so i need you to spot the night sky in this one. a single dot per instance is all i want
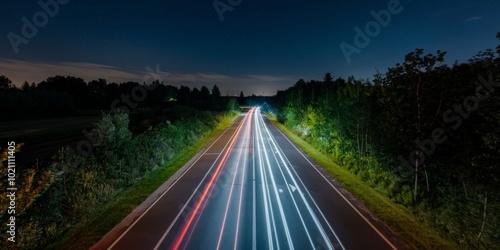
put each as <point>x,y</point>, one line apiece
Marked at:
<point>258,47</point>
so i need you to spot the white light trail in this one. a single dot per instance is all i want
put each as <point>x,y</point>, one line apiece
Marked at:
<point>276,193</point>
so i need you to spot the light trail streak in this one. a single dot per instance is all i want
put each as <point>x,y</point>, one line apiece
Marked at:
<point>288,215</point>
<point>286,165</point>
<point>249,133</point>
<point>254,203</point>
<point>295,202</point>
<point>276,194</point>
<point>341,195</point>
<point>265,191</point>
<point>207,188</point>
<point>175,182</point>
<point>245,136</point>
<point>310,196</point>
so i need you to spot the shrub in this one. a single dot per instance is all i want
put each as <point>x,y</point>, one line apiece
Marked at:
<point>55,200</point>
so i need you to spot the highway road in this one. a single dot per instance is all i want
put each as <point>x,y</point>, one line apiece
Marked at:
<point>254,189</point>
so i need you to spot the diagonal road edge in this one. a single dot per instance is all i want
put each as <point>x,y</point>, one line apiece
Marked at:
<point>119,229</point>
<point>383,229</point>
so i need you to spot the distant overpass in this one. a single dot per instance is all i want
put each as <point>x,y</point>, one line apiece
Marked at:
<point>245,108</point>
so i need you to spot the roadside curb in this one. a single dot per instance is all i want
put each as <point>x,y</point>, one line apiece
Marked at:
<point>359,207</point>
<point>107,240</point>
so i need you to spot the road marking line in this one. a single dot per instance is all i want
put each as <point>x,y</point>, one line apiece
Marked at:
<point>301,195</point>
<point>232,184</point>
<point>207,189</point>
<point>265,190</point>
<point>254,208</point>
<point>341,195</point>
<point>294,202</point>
<point>315,204</point>
<point>276,195</point>
<point>168,189</point>
<point>245,159</point>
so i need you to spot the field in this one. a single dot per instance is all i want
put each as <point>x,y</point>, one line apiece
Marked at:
<point>43,138</point>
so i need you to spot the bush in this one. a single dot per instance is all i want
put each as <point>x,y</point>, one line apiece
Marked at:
<point>55,200</point>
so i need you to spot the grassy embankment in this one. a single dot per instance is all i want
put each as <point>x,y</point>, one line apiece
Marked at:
<point>398,218</point>
<point>102,219</point>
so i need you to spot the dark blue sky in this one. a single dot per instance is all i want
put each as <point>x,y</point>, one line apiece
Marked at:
<point>259,47</point>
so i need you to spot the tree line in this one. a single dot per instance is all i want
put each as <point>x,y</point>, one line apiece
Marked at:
<point>126,145</point>
<point>65,95</point>
<point>424,133</point>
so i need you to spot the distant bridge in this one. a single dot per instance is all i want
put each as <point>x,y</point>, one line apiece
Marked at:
<point>245,108</point>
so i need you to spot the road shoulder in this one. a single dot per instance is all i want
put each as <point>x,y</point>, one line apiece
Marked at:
<point>118,230</point>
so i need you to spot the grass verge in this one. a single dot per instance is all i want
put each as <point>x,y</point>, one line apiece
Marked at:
<point>399,218</point>
<point>102,219</point>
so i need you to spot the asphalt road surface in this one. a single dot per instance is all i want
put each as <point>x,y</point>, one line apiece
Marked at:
<point>253,189</point>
